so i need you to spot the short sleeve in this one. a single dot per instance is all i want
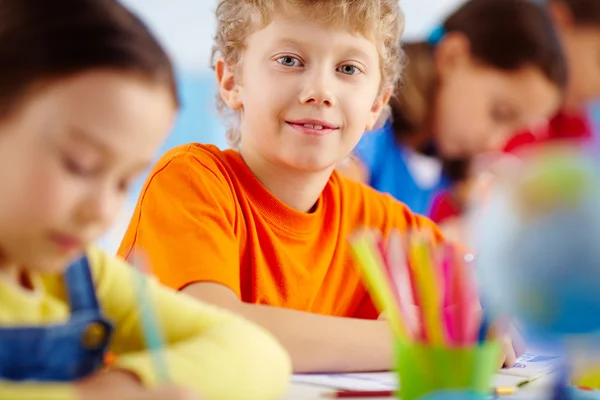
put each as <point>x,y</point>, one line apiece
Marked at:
<point>184,223</point>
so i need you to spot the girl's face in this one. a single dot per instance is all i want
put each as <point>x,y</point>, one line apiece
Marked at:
<point>68,156</point>
<point>478,108</point>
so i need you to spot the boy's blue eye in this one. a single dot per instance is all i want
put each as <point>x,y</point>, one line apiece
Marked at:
<point>349,69</point>
<point>289,61</point>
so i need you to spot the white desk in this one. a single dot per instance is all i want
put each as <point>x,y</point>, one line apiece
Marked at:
<point>536,390</point>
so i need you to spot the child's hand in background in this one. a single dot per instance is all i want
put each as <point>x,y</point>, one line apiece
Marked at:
<point>508,355</point>
<point>513,347</point>
<point>455,230</point>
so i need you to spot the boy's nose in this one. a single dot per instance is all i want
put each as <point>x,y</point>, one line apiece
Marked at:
<point>318,93</point>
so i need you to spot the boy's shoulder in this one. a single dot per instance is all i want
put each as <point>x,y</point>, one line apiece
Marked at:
<point>208,155</point>
<point>195,163</point>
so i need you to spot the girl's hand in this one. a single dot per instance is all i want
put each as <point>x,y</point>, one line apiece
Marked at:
<point>166,393</point>
<point>123,385</point>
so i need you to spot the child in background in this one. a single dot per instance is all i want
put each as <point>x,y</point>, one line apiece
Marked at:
<point>263,229</point>
<point>578,26</point>
<point>494,66</point>
<point>86,97</point>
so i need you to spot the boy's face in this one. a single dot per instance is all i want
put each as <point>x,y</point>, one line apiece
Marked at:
<point>306,93</point>
<point>67,158</point>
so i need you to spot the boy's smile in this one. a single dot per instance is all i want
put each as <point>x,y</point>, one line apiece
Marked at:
<point>313,126</point>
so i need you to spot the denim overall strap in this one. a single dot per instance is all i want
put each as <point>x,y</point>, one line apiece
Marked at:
<point>60,352</point>
<point>80,287</point>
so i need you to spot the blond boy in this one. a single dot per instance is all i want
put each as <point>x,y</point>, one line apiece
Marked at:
<point>262,229</point>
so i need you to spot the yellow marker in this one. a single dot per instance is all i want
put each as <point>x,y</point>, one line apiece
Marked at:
<point>504,391</point>
<point>367,256</point>
<point>429,296</point>
<point>590,378</point>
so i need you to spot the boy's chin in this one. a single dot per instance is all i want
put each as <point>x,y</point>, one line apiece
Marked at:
<point>314,164</point>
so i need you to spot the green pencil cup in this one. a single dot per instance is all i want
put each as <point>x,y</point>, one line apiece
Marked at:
<point>424,370</point>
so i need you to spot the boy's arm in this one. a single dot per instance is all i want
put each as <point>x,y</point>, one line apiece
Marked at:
<point>319,343</point>
<point>316,343</point>
<point>218,354</point>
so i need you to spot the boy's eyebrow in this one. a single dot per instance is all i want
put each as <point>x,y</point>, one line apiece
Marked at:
<point>288,41</point>
<point>353,51</point>
<point>350,50</point>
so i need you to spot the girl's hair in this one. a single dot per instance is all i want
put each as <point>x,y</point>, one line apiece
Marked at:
<point>584,12</point>
<point>45,40</point>
<point>503,34</point>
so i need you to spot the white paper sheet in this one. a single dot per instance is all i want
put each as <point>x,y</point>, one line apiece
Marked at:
<point>531,365</point>
<point>528,367</point>
<point>355,381</point>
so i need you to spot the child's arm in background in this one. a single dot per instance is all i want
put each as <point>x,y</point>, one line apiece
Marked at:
<point>353,168</point>
<point>217,354</point>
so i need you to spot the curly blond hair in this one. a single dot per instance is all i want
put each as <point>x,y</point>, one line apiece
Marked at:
<point>381,20</point>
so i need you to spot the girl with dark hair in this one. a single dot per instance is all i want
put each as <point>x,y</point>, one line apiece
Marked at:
<point>492,67</point>
<point>87,95</point>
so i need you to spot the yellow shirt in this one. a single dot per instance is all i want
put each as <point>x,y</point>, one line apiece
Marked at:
<point>219,355</point>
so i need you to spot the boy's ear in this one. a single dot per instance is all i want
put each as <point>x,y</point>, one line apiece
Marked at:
<point>452,51</point>
<point>228,87</point>
<point>378,106</point>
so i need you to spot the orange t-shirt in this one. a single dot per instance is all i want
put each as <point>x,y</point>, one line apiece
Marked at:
<point>203,216</point>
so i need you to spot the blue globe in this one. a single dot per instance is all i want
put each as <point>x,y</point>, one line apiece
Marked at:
<point>538,245</point>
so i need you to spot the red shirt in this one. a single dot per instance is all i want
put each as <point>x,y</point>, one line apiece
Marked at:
<point>562,127</point>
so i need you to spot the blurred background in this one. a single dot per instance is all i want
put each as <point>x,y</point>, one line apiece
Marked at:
<point>186,28</point>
